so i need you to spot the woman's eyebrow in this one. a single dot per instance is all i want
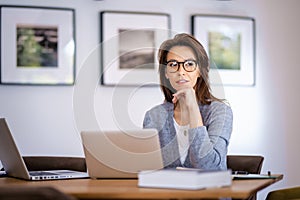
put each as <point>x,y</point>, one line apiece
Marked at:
<point>183,61</point>
<point>172,60</point>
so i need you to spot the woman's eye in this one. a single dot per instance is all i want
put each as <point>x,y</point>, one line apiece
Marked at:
<point>189,63</point>
<point>173,64</point>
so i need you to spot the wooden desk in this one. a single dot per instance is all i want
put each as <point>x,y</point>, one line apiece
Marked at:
<point>127,189</point>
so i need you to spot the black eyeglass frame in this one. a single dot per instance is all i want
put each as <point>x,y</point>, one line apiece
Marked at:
<point>179,63</point>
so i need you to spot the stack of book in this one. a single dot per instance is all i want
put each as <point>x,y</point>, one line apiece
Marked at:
<point>184,179</point>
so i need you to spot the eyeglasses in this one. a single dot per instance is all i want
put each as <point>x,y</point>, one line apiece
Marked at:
<point>188,65</point>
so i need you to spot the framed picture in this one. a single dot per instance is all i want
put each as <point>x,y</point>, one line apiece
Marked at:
<point>37,45</point>
<point>230,44</point>
<point>130,41</point>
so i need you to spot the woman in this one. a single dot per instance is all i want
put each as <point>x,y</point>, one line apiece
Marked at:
<point>194,126</point>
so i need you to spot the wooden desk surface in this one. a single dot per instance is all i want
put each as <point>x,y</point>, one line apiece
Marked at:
<point>128,189</point>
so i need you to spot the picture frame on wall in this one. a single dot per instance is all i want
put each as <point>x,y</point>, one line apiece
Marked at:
<point>230,44</point>
<point>37,45</point>
<point>129,46</point>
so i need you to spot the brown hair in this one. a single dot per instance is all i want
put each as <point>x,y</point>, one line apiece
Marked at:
<point>202,87</point>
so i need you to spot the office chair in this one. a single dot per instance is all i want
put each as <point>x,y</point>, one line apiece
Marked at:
<point>32,193</point>
<point>248,163</point>
<point>36,163</point>
<point>284,194</point>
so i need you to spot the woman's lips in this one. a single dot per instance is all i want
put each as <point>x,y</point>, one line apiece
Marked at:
<point>182,81</point>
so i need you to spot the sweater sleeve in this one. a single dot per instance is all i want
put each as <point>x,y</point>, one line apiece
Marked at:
<point>209,143</point>
<point>155,118</point>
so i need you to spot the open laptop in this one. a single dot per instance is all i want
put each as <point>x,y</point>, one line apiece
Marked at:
<point>14,164</point>
<point>121,154</point>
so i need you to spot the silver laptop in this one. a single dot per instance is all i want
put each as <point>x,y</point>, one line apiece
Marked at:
<point>121,154</point>
<point>14,164</point>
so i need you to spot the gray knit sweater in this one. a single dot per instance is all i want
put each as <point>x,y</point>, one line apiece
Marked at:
<point>208,143</point>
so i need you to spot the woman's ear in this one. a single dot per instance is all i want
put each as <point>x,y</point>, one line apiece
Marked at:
<point>166,75</point>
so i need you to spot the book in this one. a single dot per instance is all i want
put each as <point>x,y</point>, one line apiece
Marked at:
<point>184,179</point>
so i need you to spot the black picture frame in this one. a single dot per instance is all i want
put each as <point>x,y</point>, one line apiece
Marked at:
<point>129,45</point>
<point>230,44</point>
<point>37,45</point>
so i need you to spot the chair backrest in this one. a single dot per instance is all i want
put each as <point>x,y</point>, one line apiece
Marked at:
<point>250,163</point>
<point>32,193</point>
<point>36,163</point>
<point>284,194</point>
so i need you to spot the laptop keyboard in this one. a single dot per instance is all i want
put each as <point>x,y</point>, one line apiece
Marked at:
<point>42,173</point>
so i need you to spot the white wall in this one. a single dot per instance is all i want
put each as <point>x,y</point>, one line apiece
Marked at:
<point>265,116</point>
